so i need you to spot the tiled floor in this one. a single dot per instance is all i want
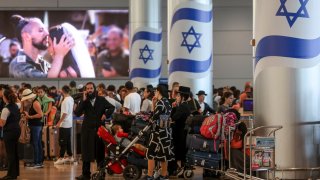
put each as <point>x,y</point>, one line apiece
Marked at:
<point>68,171</point>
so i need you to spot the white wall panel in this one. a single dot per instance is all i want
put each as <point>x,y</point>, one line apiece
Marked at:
<point>232,18</point>
<point>232,42</point>
<point>228,66</point>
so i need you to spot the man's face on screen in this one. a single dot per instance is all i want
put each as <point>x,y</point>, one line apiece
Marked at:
<point>114,41</point>
<point>39,35</point>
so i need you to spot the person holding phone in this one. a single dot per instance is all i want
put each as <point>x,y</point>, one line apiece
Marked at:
<point>95,109</point>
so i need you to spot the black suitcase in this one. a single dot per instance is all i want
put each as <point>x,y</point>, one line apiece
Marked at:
<point>200,143</point>
<point>28,154</point>
<point>204,159</point>
<point>193,124</point>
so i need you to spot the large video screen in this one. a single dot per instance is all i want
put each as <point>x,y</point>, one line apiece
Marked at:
<point>64,44</point>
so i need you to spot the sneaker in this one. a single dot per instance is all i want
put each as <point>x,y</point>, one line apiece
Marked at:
<point>39,165</point>
<point>163,177</point>
<point>180,171</point>
<point>69,159</point>
<point>60,161</point>
<point>29,165</point>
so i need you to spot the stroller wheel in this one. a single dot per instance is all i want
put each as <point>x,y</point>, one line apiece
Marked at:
<point>132,172</point>
<point>110,172</point>
<point>188,174</point>
<point>97,176</point>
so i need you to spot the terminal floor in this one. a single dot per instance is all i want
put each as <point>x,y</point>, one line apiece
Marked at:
<point>68,171</point>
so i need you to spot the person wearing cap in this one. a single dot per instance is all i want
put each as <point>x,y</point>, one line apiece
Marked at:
<point>205,108</point>
<point>132,101</point>
<point>114,60</point>
<point>33,35</point>
<point>179,116</point>
<point>34,117</point>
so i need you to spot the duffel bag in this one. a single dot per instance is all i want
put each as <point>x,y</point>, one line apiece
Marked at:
<point>200,143</point>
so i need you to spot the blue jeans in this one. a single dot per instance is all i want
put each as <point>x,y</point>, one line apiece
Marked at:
<point>36,138</point>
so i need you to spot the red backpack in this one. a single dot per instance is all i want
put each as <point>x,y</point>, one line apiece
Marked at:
<point>218,125</point>
<point>211,126</point>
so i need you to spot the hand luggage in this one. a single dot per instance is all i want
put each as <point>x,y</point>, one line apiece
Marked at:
<point>193,124</point>
<point>54,141</point>
<point>28,154</point>
<point>204,159</point>
<point>200,143</point>
<point>45,141</point>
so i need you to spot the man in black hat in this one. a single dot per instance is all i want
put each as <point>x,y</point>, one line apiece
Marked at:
<point>205,108</point>
<point>33,35</point>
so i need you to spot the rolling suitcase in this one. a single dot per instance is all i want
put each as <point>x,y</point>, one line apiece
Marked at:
<point>28,154</point>
<point>45,142</point>
<point>54,142</point>
<point>204,159</point>
<point>200,143</point>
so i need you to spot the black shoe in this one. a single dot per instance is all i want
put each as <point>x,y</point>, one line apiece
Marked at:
<point>8,177</point>
<point>83,177</point>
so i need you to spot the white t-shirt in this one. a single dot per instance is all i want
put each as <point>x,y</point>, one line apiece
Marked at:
<point>132,102</point>
<point>115,103</point>
<point>67,108</point>
<point>146,105</point>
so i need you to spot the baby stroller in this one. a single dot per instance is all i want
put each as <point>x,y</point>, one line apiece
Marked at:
<point>125,160</point>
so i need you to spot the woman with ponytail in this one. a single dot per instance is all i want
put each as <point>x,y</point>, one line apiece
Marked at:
<point>9,120</point>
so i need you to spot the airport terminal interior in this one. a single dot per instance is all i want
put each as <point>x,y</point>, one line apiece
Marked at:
<point>159,89</point>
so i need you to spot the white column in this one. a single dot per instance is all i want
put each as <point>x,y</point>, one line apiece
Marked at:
<point>286,78</point>
<point>145,41</point>
<point>190,44</point>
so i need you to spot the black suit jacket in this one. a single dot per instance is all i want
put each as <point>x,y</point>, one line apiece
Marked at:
<point>91,145</point>
<point>207,109</point>
<point>93,114</point>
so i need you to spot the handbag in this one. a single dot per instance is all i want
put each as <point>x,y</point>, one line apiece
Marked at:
<point>25,135</point>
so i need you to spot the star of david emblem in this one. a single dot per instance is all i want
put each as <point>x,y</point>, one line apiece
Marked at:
<point>146,54</point>
<point>291,16</point>
<point>191,39</point>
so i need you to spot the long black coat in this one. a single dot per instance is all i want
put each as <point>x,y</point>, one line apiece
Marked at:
<point>91,123</point>
<point>179,117</point>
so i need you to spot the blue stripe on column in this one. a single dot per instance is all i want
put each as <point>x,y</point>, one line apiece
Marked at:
<point>145,73</point>
<point>191,14</point>
<point>145,35</point>
<point>290,47</point>
<point>190,65</point>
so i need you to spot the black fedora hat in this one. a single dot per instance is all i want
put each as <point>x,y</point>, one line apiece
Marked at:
<point>184,90</point>
<point>201,93</point>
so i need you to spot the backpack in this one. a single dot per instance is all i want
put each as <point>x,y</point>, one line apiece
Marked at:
<point>211,126</point>
<point>217,125</point>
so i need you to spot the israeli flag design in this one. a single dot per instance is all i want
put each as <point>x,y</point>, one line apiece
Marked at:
<point>146,56</point>
<point>190,45</point>
<point>290,44</point>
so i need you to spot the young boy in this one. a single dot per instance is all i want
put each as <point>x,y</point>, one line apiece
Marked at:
<point>122,137</point>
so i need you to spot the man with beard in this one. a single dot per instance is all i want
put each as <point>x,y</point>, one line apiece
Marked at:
<point>95,110</point>
<point>114,60</point>
<point>33,35</point>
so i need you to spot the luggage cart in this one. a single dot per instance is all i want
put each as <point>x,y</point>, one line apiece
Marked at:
<point>266,143</point>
